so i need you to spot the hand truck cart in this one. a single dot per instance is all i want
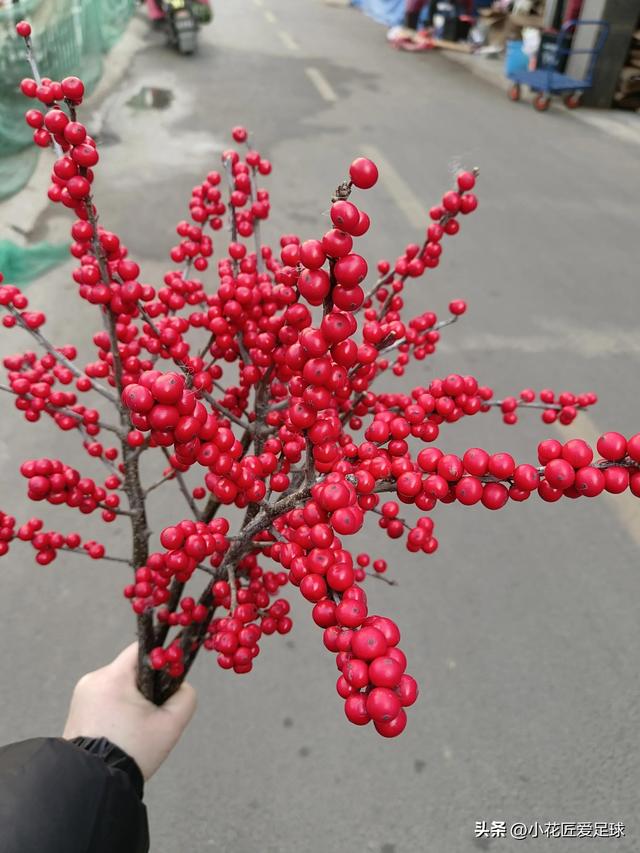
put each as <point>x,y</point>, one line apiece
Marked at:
<point>548,81</point>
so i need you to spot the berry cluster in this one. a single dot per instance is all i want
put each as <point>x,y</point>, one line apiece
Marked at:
<point>48,543</point>
<point>235,638</point>
<point>57,483</point>
<point>205,206</point>
<point>187,544</point>
<point>569,469</point>
<point>373,683</point>
<point>266,381</point>
<point>7,532</point>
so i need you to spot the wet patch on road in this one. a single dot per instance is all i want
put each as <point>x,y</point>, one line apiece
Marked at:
<point>151,98</point>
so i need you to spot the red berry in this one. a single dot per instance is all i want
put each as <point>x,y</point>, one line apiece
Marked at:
<point>313,587</point>
<point>368,643</point>
<point>350,270</point>
<point>407,690</point>
<point>385,672</point>
<point>351,613</point>
<point>312,254</point>
<point>616,479</point>
<point>612,446</point>
<point>494,495</point>
<point>345,215</point>
<point>355,707</point>
<point>73,88</point>
<point>363,173</point>
<point>589,481</point>
<point>383,705</point>
<point>633,447</point>
<point>388,628</point>
<point>314,285</point>
<point>168,388</point>
<point>356,673</point>
<point>451,202</point>
<point>392,728</point>
<point>458,306</point>
<point>559,474</point>
<point>466,181</point>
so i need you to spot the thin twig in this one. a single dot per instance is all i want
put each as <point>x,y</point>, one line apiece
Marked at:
<point>82,553</point>
<point>116,510</point>
<point>62,410</point>
<point>228,167</point>
<point>522,405</point>
<point>46,345</point>
<point>170,476</point>
<point>257,242</point>
<point>183,487</point>
<point>224,411</point>
<point>382,578</point>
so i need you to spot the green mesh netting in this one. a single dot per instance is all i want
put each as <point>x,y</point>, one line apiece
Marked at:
<point>70,37</point>
<point>20,265</point>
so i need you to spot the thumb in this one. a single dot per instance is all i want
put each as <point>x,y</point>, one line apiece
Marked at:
<point>127,659</point>
<point>182,705</point>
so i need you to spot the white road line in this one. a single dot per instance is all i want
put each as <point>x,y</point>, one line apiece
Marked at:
<point>625,506</point>
<point>270,17</point>
<point>321,83</point>
<point>288,41</point>
<point>398,188</point>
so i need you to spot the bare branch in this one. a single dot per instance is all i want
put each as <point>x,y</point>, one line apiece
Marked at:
<point>382,578</point>
<point>183,487</point>
<point>82,553</point>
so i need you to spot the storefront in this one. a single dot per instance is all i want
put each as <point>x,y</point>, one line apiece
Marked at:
<point>532,27</point>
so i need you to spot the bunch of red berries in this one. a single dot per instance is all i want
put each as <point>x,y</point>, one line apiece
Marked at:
<point>48,543</point>
<point>569,469</point>
<point>7,532</point>
<point>57,483</point>
<point>263,386</point>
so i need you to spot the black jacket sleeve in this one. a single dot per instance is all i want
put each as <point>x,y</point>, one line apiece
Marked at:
<point>57,797</point>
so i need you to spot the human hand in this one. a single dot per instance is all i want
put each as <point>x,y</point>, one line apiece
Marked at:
<point>107,703</point>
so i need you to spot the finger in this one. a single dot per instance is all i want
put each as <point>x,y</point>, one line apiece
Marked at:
<point>126,661</point>
<point>182,704</point>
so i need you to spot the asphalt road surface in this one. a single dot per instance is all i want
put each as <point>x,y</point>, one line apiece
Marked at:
<point>523,628</point>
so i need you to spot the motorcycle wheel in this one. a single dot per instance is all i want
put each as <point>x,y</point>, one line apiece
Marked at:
<point>186,32</point>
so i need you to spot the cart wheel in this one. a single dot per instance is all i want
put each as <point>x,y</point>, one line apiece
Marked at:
<point>514,92</point>
<point>573,101</point>
<point>541,102</point>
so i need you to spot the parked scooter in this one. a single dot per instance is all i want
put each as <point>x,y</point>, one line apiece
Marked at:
<point>181,20</point>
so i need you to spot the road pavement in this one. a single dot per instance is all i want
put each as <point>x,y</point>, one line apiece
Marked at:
<point>523,628</point>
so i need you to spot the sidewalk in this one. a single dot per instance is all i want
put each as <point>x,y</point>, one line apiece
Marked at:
<point>621,124</point>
